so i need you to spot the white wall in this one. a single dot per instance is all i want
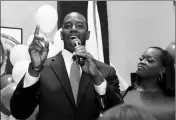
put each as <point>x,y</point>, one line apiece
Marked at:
<point>136,25</point>
<point>22,14</point>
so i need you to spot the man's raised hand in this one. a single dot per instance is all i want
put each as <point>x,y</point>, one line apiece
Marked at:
<point>37,51</point>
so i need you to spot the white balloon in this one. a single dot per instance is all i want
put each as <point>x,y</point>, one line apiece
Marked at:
<point>47,18</point>
<point>19,52</point>
<point>31,37</point>
<point>58,43</point>
<point>19,69</point>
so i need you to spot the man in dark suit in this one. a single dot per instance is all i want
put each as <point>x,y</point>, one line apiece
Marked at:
<point>50,83</point>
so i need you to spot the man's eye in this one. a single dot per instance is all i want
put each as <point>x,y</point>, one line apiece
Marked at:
<point>67,26</point>
<point>80,26</point>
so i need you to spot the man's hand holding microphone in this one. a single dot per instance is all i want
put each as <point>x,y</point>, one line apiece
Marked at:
<point>86,61</point>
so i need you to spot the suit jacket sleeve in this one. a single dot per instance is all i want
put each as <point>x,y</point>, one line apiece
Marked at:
<point>112,96</point>
<point>24,100</point>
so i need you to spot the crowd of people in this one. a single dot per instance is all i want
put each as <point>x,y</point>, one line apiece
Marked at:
<point>91,90</point>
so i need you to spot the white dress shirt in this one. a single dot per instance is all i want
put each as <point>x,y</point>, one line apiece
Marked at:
<point>30,80</point>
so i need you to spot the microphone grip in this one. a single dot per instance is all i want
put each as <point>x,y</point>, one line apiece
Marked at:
<point>81,60</point>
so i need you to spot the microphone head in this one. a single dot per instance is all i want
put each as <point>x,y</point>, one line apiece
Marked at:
<point>75,41</point>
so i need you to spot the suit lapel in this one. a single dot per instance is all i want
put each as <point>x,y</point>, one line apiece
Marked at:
<point>59,68</point>
<point>83,85</point>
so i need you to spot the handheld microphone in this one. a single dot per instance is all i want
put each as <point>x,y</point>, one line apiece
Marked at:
<point>76,42</point>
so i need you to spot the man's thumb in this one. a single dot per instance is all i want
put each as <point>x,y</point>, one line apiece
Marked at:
<point>46,46</point>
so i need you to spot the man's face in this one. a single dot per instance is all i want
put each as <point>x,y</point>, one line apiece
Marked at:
<point>74,25</point>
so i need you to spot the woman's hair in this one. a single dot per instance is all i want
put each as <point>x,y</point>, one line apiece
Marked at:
<point>166,81</point>
<point>126,112</point>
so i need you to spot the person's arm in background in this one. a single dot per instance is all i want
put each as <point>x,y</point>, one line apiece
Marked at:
<point>26,96</point>
<point>25,99</point>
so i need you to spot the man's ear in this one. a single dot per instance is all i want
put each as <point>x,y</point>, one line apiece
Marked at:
<point>87,35</point>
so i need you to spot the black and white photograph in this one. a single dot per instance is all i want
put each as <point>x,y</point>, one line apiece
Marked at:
<point>87,60</point>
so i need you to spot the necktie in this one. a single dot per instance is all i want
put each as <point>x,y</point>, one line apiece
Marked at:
<point>74,79</point>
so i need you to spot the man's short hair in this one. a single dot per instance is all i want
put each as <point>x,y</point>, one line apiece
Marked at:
<point>81,15</point>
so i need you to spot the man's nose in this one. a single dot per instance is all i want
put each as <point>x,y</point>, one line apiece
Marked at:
<point>73,27</point>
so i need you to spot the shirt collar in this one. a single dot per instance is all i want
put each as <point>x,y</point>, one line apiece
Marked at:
<point>67,55</point>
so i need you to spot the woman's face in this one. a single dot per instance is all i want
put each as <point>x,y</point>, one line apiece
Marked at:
<point>150,64</point>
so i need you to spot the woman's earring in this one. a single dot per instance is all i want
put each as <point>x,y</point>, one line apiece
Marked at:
<point>160,77</point>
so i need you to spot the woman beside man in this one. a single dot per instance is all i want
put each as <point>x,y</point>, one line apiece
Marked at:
<point>153,87</point>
